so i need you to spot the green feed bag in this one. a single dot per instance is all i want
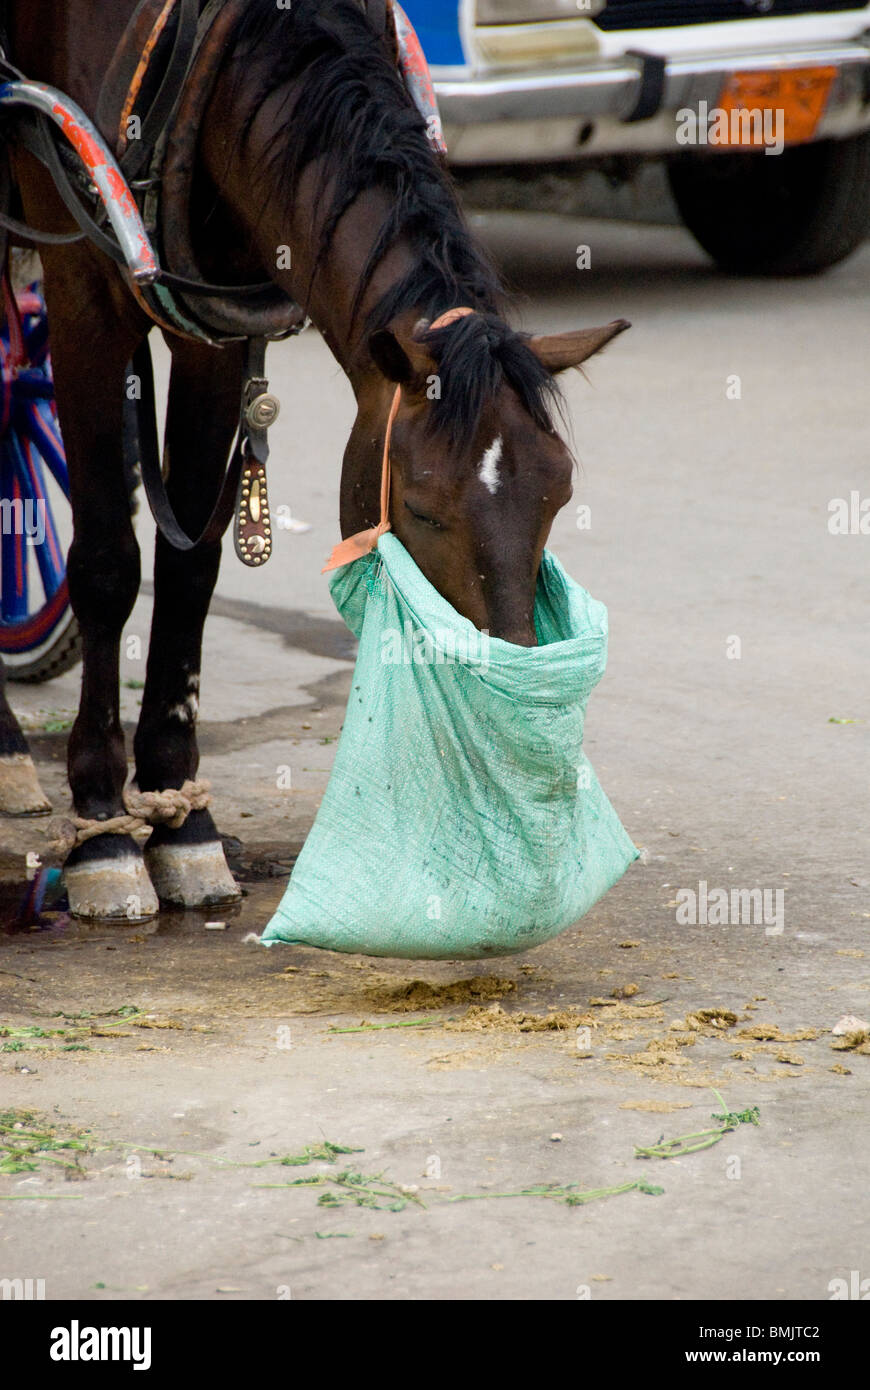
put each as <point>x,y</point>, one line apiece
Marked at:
<point>462,818</point>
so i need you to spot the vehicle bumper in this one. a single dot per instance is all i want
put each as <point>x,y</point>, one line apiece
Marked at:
<point>519,116</point>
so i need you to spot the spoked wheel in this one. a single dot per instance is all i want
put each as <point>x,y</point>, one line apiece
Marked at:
<point>39,637</point>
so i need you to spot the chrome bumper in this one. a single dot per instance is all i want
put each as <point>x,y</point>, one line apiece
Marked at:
<point>512,117</point>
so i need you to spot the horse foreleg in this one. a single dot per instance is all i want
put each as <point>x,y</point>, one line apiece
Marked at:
<point>187,865</point>
<point>94,332</point>
<point>20,792</point>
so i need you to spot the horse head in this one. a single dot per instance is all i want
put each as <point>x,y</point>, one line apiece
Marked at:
<point>479,470</point>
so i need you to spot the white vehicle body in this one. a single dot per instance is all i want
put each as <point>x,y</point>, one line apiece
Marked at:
<point>565,88</point>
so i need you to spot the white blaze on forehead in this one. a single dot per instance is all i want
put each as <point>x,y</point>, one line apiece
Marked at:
<point>488,470</point>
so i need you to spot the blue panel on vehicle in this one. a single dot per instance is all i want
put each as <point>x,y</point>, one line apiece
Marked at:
<point>437,25</point>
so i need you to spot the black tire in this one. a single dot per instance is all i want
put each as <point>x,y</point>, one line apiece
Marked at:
<point>795,213</point>
<point>59,654</point>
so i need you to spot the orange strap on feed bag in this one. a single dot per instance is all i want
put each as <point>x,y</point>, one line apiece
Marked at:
<point>353,547</point>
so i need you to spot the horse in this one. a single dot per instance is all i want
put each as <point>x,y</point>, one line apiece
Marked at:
<point>310,142</point>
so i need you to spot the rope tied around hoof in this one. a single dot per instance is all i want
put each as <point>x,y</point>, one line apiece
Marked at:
<point>143,810</point>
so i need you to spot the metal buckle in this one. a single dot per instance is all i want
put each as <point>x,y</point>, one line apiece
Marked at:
<point>262,411</point>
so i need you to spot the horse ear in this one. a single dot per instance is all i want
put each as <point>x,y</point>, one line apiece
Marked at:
<point>562,350</point>
<point>390,357</point>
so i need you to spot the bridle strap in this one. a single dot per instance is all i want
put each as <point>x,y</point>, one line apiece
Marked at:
<point>152,472</point>
<point>353,547</point>
<point>135,154</point>
<point>250,452</point>
<point>266,312</point>
<point>140,73</point>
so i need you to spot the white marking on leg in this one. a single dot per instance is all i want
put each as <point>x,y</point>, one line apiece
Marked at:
<point>488,470</point>
<point>186,712</point>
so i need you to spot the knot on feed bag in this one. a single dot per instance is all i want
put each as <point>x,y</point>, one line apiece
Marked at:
<point>142,811</point>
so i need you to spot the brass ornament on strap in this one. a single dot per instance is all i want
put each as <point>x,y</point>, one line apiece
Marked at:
<point>253,526</point>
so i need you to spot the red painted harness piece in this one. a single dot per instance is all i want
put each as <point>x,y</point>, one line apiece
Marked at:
<point>418,79</point>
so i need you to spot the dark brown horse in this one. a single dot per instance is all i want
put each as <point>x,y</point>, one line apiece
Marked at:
<point>309,141</point>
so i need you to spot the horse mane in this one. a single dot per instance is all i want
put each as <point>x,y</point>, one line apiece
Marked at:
<point>350,108</point>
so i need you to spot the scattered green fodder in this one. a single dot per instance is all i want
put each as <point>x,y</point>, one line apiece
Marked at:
<point>702,1138</point>
<point>26,1145</point>
<point>566,1193</point>
<point>370,1190</point>
<point>324,1152</point>
<point>85,1025</point>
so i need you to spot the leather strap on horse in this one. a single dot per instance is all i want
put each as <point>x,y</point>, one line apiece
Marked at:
<point>134,155</point>
<point>353,547</point>
<point>174,160</point>
<point>20,229</point>
<point>34,132</point>
<point>188,48</point>
<point>243,490</point>
<point>167,144</point>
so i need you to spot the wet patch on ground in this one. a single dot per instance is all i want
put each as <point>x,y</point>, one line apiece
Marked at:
<point>201,971</point>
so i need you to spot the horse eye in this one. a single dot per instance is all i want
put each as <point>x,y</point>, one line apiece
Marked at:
<point>427,520</point>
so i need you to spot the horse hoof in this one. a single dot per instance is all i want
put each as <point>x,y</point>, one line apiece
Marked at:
<point>191,875</point>
<point>106,881</point>
<point>20,792</point>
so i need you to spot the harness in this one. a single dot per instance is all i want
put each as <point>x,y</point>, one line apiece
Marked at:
<point>134,204</point>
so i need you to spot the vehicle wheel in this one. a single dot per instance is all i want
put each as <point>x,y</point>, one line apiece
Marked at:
<point>39,637</point>
<point>59,652</point>
<point>795,213</point>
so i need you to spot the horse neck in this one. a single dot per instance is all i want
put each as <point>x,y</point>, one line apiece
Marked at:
<point>247,177</point>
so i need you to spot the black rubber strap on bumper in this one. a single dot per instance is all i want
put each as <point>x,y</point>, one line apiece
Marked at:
<point>653,71</point>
